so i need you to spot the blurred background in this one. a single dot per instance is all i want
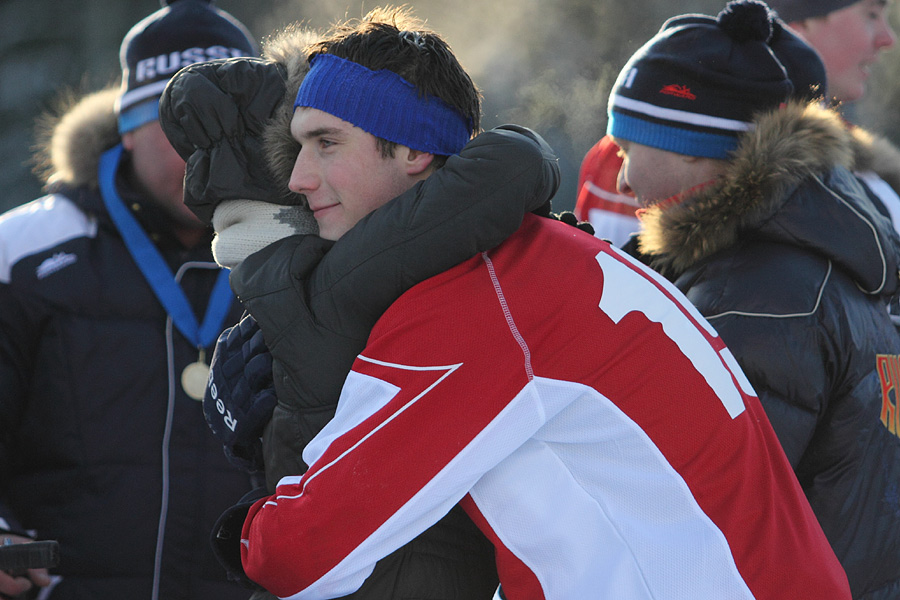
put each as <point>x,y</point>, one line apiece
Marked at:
<point>546,64</point>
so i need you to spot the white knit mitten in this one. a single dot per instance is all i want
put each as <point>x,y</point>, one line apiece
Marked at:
<point>246,226</point>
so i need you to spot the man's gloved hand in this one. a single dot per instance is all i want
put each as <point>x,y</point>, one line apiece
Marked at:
<point>214,114</point>
<point>226,537</point>
<point>240,393</point>
<point>569,218</point>
<point>551,179</point>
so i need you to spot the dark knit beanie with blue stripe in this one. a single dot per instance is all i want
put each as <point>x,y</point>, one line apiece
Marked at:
<point>696,86</point>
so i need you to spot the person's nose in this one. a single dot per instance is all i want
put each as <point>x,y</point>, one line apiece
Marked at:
<point>884,36</point>
<point>303,176</point>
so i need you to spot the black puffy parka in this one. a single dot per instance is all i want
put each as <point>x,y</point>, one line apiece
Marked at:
<point>100,446</point>
<point>793,265</point>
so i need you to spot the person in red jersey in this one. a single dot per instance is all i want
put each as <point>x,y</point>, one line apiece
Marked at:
<point>612,214</point>
<point>585,416</point>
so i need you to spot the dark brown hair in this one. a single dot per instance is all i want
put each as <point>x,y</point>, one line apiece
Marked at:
<point>392,38</point>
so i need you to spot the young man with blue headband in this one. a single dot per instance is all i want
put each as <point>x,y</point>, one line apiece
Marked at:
<point>567,446</point>
<point>231,120</point>
<point>344,108</point>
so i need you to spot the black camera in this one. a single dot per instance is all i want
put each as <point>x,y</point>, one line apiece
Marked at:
<point>17,558</point>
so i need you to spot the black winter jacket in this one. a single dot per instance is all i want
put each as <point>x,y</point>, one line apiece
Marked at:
<point>792,264</point>
<point>100,447</point>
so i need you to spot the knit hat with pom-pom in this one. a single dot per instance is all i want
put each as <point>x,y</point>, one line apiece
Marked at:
<point>695,87</point>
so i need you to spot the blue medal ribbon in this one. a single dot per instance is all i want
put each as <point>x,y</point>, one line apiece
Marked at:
<point>154,267</point>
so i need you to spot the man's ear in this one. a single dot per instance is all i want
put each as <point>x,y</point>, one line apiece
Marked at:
<point>418,162</point>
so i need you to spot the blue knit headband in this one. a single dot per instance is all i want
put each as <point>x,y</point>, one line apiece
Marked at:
<point>383,104</point>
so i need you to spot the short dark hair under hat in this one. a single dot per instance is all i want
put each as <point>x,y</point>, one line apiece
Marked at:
<point>799,10</point>
<point>695,87</point>
<point>182,32</point>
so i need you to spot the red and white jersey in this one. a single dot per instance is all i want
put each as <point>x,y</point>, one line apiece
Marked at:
<point>589,420</point>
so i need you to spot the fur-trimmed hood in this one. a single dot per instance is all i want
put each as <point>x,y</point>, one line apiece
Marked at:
<point>69,145</point>
<point>68,157</point>
<point>790,181</point>
<point>70,142</point>
<point>876,154</point>
<point>289,48</point>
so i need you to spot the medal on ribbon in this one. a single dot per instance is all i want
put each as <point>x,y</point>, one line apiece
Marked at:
<point>162,281</point>
<point>195,377</point>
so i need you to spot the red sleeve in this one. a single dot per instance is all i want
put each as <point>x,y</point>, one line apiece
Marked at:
<point>474,385</point>
<point>400,452</point>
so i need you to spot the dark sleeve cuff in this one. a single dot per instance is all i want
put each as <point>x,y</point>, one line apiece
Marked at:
<point>226,537</point>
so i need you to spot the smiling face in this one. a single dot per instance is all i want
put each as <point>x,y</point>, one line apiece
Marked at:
<point>849,41</point>
<point>343,173</point>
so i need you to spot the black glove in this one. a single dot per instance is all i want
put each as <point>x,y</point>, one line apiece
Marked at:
<point>551,166</point>
<point>240,394</point>
<point>569,218</point>
<point>214,114</point>
<point>226,537</point>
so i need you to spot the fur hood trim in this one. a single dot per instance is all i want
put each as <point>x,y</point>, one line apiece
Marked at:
<point>289,48</point>
<point>785,147</point>
<point>877,154</point>
<point>69,146</point>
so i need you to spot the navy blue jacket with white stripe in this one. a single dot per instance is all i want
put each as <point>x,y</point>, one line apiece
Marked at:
<point>100,447</point>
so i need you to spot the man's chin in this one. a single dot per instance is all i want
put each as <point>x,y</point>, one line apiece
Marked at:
<point>852,93</point>
<point>188,220</point>
<point>327,234</point>
<point>329,228</point>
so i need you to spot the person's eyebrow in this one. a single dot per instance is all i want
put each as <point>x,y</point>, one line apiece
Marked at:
<point>321,131</point>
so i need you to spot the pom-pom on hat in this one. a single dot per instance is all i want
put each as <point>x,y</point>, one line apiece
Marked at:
<point>798,10</point>
<point>182,32</point>
<point>696,85</point>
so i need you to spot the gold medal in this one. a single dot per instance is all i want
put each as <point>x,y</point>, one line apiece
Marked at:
<point>195,376</point>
